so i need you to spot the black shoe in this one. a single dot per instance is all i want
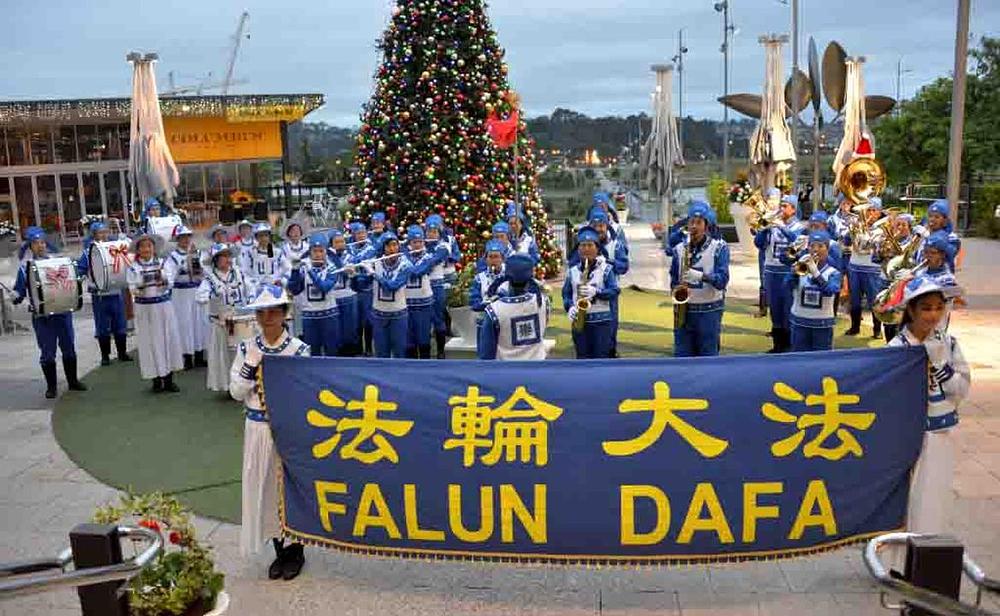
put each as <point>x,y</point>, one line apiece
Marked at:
<point>69,367</point>
<point>411,352</point>
<point>424,351</point>
<point>49,370</point>
<point>855,323</point>
<point>274,570</point>
<point>441,339</point>
<point>294,559</point>
<point>169,385</point>
<point>199,359</point>
<point>775,340</point>
<point>121,341</point>
<point>104,342</point>
<point>876,327</point>
<point>157,385</point>
<point>188,361</point>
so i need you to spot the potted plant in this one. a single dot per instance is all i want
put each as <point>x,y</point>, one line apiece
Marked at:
<point>182,580</point>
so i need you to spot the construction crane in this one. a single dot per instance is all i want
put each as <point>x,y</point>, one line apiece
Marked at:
<point>237,39</point>
<point>207,83</point>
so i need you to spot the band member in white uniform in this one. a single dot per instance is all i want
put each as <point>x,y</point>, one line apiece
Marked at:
<point>244,245</point>
<point>158,338</point>
<point>260,458</point>
<point>185,265</point>
<point>224,290</point>
<point>267,264</point>
<point>931,496</point>
<point>295,247</point>
<point>513,326</point>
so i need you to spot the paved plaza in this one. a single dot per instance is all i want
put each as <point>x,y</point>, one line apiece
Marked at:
<point>43,495</point>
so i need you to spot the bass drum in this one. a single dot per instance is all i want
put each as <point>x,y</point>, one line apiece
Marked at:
<point>164,227</point>
<point>108,263</point>
<point>55,286</point>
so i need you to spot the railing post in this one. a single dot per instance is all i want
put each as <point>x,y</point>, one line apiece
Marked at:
<point>96,545</point>
<point>934,562</point>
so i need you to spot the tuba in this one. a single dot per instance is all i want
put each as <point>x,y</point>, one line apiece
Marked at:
<point>861,179</point>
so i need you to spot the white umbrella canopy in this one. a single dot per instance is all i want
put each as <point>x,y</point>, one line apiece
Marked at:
<point>662,150</point>
<point>151,167</point>
<point>771,147</point>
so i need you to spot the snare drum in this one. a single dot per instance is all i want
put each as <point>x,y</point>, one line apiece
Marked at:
<point>108,263</point>
<point>164,227</point>
<point>54,285</point>
<point>239,328</point>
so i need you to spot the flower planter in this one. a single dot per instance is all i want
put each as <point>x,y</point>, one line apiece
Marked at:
<point>739,212</point>
<point>221,605</point>
<point>623,216</point>
<point>463,325</point>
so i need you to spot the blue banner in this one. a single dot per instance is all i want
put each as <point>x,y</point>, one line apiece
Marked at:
<point>670,460</point>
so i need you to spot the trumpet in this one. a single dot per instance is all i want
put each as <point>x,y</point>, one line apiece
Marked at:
<point>583,304</point>
<point>881,308</point>
<point>801,267</point>
<point>793,250</point>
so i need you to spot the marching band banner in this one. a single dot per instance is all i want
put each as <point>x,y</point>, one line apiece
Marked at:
<point>619,461</point>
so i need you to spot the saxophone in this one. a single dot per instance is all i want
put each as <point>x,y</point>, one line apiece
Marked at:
<point>681,293</point>
<point>583,304</point>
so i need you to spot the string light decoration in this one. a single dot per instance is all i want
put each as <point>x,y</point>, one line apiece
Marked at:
<point>239,107</point>
<point>423,146</point>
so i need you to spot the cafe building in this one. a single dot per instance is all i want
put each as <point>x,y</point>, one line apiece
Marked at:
<point>63,159</point>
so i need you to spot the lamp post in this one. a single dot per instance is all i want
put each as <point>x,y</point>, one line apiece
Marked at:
<point>678,60</point>
<point>727,29</point>
<point>958,107</point>
<point>795,89</point>
<point>899,82</point>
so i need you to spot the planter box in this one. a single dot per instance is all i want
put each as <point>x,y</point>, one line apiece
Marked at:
<point>743,234</point>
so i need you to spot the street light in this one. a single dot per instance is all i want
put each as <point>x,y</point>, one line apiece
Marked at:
<point>900,71</point>
<point>678,59</point>
<point>727,29</point>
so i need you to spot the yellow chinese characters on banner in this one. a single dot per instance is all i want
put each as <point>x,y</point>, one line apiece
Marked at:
<point>199,140</point>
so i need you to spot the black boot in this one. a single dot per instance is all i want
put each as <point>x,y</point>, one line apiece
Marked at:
<point>836,305</point>
<point>188,361</point>
<point>104,342</point>
<point>411,352</point>
<point>775,340</point>
<point>890,332</point>
<point>69,367</point>
<point>876,327</point>
<point>761,303</point>
<point>199,359</point>
<point>855,323</point>
<point>424,351</point>
<point>367,339</point>
<point>274,571</point>
<point>294,559</point>
<point>121,344</point>
<point>157,385</point>
<point>49,370</point>
<point>786,340</point>
<point>169,385</point>
<point>440,338</point>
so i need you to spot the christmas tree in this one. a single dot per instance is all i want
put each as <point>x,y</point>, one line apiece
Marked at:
<point>425,147</point>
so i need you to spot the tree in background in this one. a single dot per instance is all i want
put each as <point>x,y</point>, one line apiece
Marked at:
<point>423,146</point>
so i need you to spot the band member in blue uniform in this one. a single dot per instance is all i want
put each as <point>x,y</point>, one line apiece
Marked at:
<point>937,251</point>
<point>437,244</point>
<point>50,331</point>
<point>377,227</point>
<point>185,265</point>
<point>390,274</point>
<point>513,326</point>
<point>774,241</point>
<point>815,282</point>
<point>938,221</point>
<point>313,282</point>
<point>864,275</point>
<point>245,245</point>
<point>259,519</point>
<point>590,285</point>
<point>108,306</point>
<point>224,290</point>
<point>615,247</point>
<point>346,296</point>
<point>706,278</point>
<point>362,249</point>
<point>479,290</point>
<point>156,329</point>
<point>419,295</point>
<point>521,239</point>
<point>925,309</point>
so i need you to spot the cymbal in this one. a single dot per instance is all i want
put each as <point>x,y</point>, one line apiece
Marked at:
<point>835,76</point>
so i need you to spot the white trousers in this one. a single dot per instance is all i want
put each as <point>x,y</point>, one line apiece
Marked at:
<point>931,496</point>
<point>192,320</point>
<point>219,358</point>
<point>157,340</point>
<point>260,488</point>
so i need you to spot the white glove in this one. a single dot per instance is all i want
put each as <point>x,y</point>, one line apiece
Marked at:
<point>365,267</point>
<point>922,231</point>
<point>588,291</point>
<point>693,276</point>
<point>572,313</point>
<point>937,349</point>
<point>254,356</point>
<point>813,268</point>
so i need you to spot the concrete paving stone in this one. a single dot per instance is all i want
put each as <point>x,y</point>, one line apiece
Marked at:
<point>977,484</point>
<point>797,604</point>
<point>642,602</point>
<point>757,577</point>
<point>56,603</point>
<point>860,604</point>
<point>832,572</point>
<point>714,604</point>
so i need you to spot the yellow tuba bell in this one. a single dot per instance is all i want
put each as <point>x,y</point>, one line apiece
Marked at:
<point>861,179</point>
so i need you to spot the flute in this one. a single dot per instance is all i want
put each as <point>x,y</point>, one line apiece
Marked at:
<point>349,268</point>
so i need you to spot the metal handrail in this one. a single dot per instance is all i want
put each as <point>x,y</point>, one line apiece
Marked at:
<point>22,581</point>
<point>922,597</point>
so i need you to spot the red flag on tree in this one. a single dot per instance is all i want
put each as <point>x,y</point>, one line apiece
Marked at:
<point>503,132</point>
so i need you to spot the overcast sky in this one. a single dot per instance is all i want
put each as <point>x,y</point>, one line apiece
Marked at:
<point>592,56</point>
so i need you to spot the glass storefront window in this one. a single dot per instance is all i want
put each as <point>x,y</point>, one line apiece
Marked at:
<point>6,202</point>
<point>4,156</point>
<point>41,145</point>
<point>65,138</point>
<point>91,144</point>
<point>48,204</point>
<point>123,140</point>
<point>17,145</point>
<point>108,142</point>
<point>71,202</point>
<point>92,194</point>
<point>25,201</point>
<point>115,193</point>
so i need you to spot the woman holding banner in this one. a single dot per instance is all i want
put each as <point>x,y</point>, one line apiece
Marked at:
<point>925,305</point>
